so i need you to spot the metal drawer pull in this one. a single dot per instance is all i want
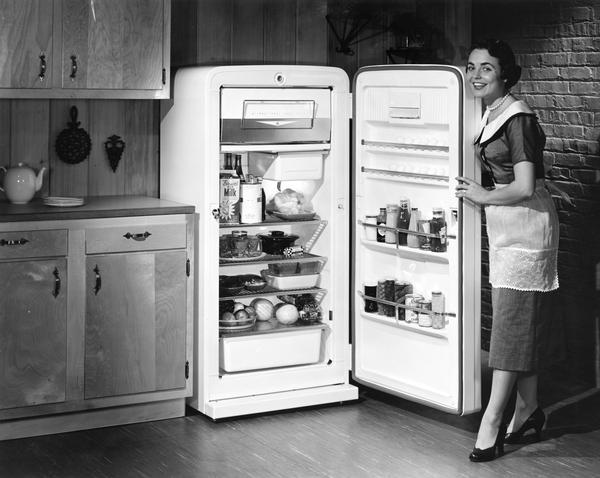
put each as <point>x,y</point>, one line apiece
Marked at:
<point>137,237</point>
<point>13,242</point>
<point>56,290</point>
<point>42,74</point>
<point>73,67</point>
<point>98,285</point>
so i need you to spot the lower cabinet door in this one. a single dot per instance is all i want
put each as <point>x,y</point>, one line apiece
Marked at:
<point>33,337</point>
<point>135,328</point>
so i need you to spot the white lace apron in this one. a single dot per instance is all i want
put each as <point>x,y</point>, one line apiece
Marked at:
<point>523,237</point>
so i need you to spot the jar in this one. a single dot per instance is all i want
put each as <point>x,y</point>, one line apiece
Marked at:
<point>370,232</point>
<point>411,316</point>
<point>438,226</point>
<point>424,317</point>
<point>370,291</point>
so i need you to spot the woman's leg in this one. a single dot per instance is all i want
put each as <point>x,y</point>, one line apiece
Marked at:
<point>526,402</point>
<point>502,385</point>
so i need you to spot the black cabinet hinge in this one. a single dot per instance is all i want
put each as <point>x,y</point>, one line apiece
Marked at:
<point>187,369</point>
<point>164,76</point>
<point>188,267</point>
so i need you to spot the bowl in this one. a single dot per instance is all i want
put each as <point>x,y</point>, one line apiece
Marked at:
<point>276,241</point>
<point>230,285</point>
<point>253,283</point>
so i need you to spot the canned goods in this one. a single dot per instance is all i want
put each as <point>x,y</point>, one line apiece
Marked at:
<point>424,317</point>
<point>411,300</point>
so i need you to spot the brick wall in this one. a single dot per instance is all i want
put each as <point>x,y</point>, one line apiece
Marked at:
<point>557,43</point>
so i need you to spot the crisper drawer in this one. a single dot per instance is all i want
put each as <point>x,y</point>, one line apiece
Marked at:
<point>261,351</point>
<point>18,244</point>
<point>134,238</point>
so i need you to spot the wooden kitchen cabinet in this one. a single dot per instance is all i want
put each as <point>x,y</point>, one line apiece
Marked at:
<point>33,323</point>
<point>116,49</point>
<point>26,47</point>
<point>96,315</point>
<point>135,323</point>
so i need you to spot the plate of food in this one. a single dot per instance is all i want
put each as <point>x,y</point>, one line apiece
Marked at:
<point>303,216</point>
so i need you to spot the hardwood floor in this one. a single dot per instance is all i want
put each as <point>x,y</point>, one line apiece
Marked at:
<point>378,436</point>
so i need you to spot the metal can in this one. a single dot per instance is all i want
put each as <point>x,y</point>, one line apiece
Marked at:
<point>424,317</point>
<point>411,300</point>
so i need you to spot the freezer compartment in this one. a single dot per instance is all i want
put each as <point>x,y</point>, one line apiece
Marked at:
<point>275,115</point>
<point>280,346</point>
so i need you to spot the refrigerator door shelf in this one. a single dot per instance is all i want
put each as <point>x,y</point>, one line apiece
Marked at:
<point>409,253</point>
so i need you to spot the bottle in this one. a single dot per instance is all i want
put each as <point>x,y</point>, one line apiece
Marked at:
<point>381,221</point>
<point>227,171</point>
<point>238,167</point>
<point>263,212</point>
<point>391,220</point>
<point>403,220</point>
<point>438,226</point>
<point>412,240</point>
<point>437,309</point>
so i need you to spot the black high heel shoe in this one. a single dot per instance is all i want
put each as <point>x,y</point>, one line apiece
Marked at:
<point>493,452</point>
<point>535,422</point>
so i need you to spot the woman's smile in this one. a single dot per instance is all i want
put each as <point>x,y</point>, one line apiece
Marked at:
<point>484,76</point>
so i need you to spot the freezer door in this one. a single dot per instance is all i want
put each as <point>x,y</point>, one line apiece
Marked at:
<point>412,135</point>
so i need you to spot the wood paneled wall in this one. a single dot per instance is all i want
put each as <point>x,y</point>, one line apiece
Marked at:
<point>28,132</point>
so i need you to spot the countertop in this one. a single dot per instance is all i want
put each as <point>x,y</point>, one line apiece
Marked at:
<point>94,207</point>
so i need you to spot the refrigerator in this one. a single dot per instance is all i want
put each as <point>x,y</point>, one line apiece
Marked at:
<point>329,159</point>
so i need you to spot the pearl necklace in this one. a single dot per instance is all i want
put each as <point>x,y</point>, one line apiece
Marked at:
<point>493,107</point>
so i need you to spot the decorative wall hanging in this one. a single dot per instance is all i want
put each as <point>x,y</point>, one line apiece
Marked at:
<point>73,144</point>
<point>114,147</point>
<point>354,21</point>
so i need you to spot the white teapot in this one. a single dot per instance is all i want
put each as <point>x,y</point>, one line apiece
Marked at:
<point>21,183</point>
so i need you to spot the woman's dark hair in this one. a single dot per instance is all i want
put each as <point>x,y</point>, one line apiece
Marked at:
<point>510,71</point>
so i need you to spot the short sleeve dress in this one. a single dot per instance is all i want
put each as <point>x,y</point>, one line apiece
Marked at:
<point>523,244</point>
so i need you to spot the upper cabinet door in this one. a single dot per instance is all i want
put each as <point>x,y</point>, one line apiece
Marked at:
<point>25,44</point>
<point>113,44</point>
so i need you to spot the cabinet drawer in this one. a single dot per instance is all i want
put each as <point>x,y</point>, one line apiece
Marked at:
<point>18,244</point>
<point>135,238</point>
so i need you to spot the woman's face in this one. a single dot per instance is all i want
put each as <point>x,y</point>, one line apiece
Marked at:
<point>484,76</point>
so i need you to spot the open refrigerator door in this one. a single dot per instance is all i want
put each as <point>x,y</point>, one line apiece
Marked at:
<point>416,277</point>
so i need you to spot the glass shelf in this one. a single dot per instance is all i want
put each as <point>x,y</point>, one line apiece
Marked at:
<point>271,291</point>
<point>270,259</point>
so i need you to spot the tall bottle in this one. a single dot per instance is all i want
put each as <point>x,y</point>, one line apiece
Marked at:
<point>412,240</point>
<point>438,226</point>
<point>391,215</point>
<point>403,220</point>
<point>238,167</point>
<point>227,171</point>
<point>381,221</point>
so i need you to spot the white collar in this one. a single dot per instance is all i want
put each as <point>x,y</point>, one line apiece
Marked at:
<point>487,130</point>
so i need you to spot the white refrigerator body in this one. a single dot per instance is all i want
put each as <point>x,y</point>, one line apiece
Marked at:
<point>413,126</point>
<point>191,145</point>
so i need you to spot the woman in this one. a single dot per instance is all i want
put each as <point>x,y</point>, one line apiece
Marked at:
<point>522,227</point>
